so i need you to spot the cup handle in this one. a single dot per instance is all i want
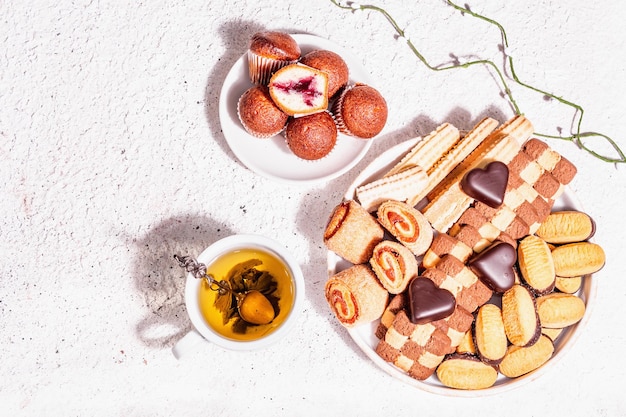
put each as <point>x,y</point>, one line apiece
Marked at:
<point>187,344</point>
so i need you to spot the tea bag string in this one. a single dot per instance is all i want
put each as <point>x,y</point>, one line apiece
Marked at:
<point>198,270</point>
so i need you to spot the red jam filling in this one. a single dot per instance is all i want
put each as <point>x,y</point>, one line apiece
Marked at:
<point>306,87</point>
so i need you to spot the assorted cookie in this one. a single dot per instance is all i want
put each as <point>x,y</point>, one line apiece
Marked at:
<point>497,270</point>
<point>290,90</point>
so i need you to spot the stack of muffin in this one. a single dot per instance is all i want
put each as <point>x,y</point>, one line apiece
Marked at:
<point>306,97</point>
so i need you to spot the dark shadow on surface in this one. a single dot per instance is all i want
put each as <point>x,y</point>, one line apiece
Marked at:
<point>161,281</point>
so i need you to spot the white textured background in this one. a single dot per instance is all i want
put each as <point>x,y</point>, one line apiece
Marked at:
<point>112,159</point>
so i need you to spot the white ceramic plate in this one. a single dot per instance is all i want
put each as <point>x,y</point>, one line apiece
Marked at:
<point>365,337</point>
<point>272,158</point>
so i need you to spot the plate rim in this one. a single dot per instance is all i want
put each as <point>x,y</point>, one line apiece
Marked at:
<point>311,41</point>
<point>565,342</point>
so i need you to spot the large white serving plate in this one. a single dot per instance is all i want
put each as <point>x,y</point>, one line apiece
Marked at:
<point>365,338</point>
<point>271,157</point>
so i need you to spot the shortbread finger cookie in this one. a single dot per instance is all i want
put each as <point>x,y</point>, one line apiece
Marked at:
<point>489,335</point>
<point>520,317</point>
<point>352,232</point>
<point>399,186</point>
<point>407,224</point>
<point>519,360</point>
<point>428,150</point>
<point>579,258</point>
<point>466,372</point>
<point>467,344</point>
<point>558,310</point>
<point>567,226</point>
<point>356,296</point>
<point>417,349</point>
<point>536,264</point>
<point>394,265</point>
<point>451,159</point>
<point>568,285</point>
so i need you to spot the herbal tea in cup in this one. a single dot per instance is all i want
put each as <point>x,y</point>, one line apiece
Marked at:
<point>236,314</point>
<point>244,292</point>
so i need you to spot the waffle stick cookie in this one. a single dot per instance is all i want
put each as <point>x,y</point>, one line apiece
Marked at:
<point>450,160</point>
<point>428,150</point>
<point>518,129</point>
<point>399,186</point>
<point>448,201</point>
<point>409,176</point>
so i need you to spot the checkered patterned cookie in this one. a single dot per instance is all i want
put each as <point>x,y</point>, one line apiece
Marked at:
<point>417,349</point>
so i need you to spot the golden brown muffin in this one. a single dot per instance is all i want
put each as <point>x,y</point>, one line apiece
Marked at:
<point>360,111</point>
<point>258,113</point>
<point>330,63</point>
<point>269,51</point>
<point>311,137</point>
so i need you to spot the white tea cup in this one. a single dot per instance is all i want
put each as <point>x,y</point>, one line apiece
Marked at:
<point>193,287</point>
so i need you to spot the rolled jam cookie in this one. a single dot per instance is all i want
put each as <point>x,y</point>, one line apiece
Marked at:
<point>394,265</point>
<point>352,233</point>
<point>356,296</point>
<point>407,224</point>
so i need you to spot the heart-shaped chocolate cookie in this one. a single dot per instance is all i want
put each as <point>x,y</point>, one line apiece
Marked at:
<point>494,266</point>
<point>427,302</point>
<point>487,185</point>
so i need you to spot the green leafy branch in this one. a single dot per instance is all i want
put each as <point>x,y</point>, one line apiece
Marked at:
<point>576,138</point>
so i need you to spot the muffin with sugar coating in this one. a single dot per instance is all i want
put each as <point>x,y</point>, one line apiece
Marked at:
<point>258,113</point>
<point>330,63</point>
<point>311,137</point>
<point>360,111</point>
<point>269,51</point>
